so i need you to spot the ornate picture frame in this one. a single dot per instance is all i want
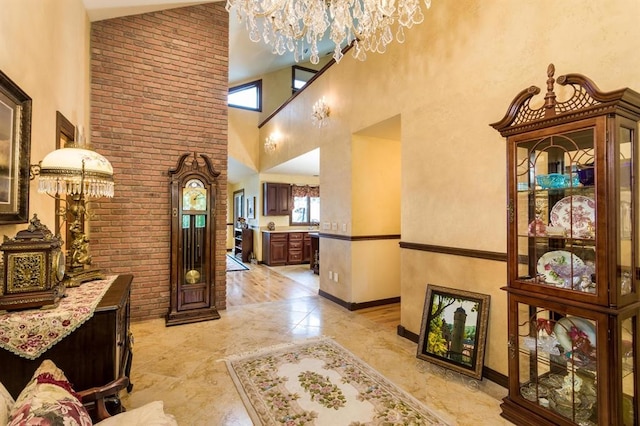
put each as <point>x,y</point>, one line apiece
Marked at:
<point>15,152</point>
<point>65,137</point>
<point>238,206</point>
<point>454,329</point>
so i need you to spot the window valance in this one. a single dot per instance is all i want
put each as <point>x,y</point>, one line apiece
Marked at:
<point>305,191</point>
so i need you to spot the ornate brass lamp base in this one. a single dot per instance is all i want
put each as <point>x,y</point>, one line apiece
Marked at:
<point>75,278</point>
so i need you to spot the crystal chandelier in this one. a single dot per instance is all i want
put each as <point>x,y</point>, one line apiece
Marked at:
<point>295,24</point>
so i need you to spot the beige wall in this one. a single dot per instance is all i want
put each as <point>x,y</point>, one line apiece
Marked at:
<point>456,73</point>
<point>44,49</point>
<point>376,171</point>
<point>243,137</point>
<point>375,270</point>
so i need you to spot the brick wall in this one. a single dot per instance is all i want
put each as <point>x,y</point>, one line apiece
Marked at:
<point>158,90</point>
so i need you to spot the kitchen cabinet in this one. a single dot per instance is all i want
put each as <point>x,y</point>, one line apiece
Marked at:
<point>295,248</point>
<point>314,262</point>
<point>274,248</point>
<point>285,248</point>
<point>573,256</point>
<point>306,248</point>
<point>276,199</point>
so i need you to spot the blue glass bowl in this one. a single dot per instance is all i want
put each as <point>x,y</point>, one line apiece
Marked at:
<point>557,180</point>
<point>552,180</point>
<point>572,180</point>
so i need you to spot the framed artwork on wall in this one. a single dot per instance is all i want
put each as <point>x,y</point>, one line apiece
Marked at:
<point>251,207</point>
<point>65,137</point>
<point>454,329</point>
<point>15,149</point>
<point>238,198</point>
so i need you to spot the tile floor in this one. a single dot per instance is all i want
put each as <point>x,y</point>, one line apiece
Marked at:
<point>183,365</point>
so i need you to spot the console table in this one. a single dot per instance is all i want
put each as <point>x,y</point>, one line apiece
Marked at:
<point>96,353</point>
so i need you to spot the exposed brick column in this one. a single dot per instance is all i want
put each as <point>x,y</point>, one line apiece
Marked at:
<point>159,86</point>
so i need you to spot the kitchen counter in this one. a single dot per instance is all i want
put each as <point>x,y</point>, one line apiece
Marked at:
<point>289,230</point>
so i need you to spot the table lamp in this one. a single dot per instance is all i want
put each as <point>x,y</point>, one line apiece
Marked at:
<point>78,174</point>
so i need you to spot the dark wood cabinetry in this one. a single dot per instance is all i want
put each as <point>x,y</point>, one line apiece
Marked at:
<point>274,248</point>
<point>573,256</point>
<point>242,243</point>
<point>306,248</point>
<point>285,248</point>
<point>295,248</point>
<point>95,354</point>
<point>314,262</point>
<point>276,199</point>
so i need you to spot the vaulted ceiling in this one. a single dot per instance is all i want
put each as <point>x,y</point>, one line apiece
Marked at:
<point>246,61</point>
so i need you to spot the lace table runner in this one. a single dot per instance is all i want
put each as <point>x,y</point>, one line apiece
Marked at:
<point>32,332</point>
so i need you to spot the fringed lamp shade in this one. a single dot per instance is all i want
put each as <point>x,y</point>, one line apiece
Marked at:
<point>73,171</point>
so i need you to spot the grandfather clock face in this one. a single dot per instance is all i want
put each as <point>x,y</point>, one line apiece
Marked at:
<point>194,226</point>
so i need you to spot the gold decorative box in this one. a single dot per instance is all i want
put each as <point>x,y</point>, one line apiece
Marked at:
<point>33,268</point>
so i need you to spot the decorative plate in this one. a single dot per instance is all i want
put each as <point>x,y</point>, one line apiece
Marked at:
<point>577,213</point>
<point>567,337</point>
<point>551,262</point>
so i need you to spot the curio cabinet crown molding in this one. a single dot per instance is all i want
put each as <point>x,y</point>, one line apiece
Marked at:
<point>193,200</point>
<point>573,254</point>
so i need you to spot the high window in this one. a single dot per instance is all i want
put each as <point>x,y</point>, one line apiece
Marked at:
<point>246,96</point>
<point>306,205</point>
<point>300,76</point>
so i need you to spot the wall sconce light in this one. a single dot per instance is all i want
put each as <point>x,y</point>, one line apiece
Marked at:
<point>320,113</point>
<point>271,142</point>
<point>79,174</point>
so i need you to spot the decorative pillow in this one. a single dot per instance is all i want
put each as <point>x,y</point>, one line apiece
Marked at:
<point>151,414</point>
<point>6,402</point>
<point>49,399</point>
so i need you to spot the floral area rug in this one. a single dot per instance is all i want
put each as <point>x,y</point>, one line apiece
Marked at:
<point>234,264</point>
<point>318,382</point>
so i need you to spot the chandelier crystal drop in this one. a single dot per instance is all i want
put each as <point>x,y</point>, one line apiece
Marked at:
<point>295,25</point>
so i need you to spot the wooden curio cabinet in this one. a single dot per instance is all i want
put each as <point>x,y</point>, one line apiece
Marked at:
<point>193,202</point>
<point>573,255</point>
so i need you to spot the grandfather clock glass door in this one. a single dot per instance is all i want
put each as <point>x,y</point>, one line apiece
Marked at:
<point>192,238</point>
<point>194,245</point>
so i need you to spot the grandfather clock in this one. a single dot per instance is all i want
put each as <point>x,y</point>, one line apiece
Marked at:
<point>193,201</point>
